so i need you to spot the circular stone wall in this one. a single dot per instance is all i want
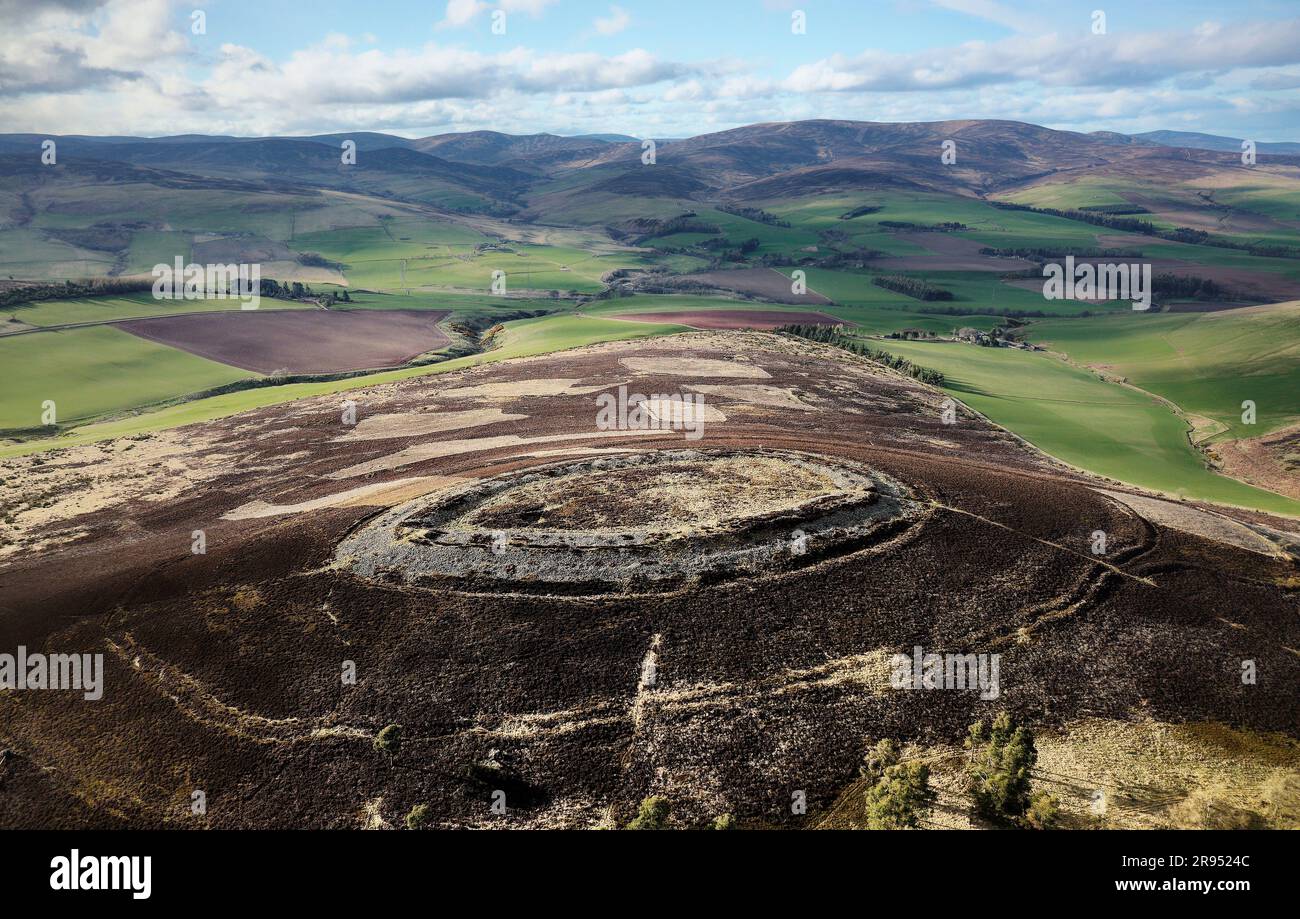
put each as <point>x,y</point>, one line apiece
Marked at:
<point>632,523</point>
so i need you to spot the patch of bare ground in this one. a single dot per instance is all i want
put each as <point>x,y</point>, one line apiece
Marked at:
<point>415,424</point>
<point>1271,461</point>
<point>1194,520</point>
<point>754,394</point>
<point>693,367</point>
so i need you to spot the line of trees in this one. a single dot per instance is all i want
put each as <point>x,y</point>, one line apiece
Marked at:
<point>1116,209</point>
<point>1050,253</point>
<point>949,226</point>
<point>755,214</point>
<point>830,335</point>
<point>911,287</point>
<point>72,289</point>
<point>1188,287</point>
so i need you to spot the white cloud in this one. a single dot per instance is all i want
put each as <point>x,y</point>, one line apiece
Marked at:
<point>1117,59</point>
<point>71,45</point>
<point>616,22</point>
<point>129,66</point>
<point>531,7</point>
<point>461,12</point>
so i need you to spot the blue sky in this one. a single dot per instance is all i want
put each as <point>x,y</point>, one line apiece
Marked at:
<point>662,68</point>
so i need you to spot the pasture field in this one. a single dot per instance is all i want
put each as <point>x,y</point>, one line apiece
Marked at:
<point>30,254</point>
<point>196,210</point>
<point>660,303</point>
<point>971,290</point>
<point>1065,411</point>
<point>156,247</point>
<point>987,224</point>
<point>126,306</point>
<point>526,268</point>
<point>93,372</point>
<point>389,241</point>
<point>409,254</point>
<point>1085,191</point>
<point>1206,363</point>
<point>870,318</point>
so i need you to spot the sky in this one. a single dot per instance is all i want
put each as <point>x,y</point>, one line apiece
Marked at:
<point>665,68</point>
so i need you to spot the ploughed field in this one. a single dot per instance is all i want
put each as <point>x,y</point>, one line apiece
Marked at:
<point>299,341</point>
<point>581,612</point>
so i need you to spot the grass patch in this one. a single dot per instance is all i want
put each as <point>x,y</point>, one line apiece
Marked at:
<point>1108,429</point>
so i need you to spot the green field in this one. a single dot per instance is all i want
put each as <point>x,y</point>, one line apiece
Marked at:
<point>1106,428</point>
<point>987,224</point>
<point>1206,363</point>
<point>128,306</point>
<point>411,254</point>
<point>93,372</point>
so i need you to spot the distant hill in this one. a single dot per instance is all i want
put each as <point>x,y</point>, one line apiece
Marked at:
<point>504,174</point>
<point>1195,141</point>
<point>609,138</point>
<point>528,152</point>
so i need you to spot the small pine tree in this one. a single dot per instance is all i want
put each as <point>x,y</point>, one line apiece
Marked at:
<point>900,798</point>
<point>1004,757</point>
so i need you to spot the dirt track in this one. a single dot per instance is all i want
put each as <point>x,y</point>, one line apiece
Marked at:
<point>223,670</point>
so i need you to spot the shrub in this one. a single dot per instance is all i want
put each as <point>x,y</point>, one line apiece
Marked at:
<point>418,817</point>
<point>389,740</point>
<point>724,822</point>
<point>879,758</point>
<point>653,815</point>
<point>1044,811</point>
